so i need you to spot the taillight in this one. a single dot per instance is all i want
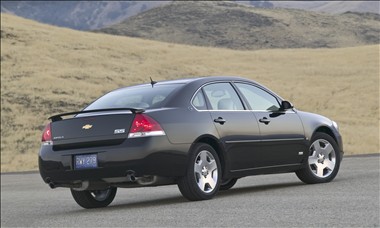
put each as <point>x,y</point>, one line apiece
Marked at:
<point>143,126</point>
<point>46,135</point>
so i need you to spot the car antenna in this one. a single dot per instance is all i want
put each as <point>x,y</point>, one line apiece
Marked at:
<point>152,82</point>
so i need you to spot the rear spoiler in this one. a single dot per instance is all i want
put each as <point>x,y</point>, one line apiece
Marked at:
<point>59,116</point>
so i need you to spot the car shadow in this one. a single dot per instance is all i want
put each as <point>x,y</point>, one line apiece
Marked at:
<point>180,199</point>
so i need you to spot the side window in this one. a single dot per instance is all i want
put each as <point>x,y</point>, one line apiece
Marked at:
<point>223,97</point>
<point>199,101</point>
<point>257,98</point>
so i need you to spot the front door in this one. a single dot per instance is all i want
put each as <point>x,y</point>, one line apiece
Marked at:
<point>282,134</point>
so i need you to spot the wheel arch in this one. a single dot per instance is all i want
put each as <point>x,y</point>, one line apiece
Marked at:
<point>306,174</point>
<point>216,145</point>
<point>326,130</point>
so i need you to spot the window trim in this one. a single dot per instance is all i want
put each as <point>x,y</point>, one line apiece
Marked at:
<point>208,104</point>
<point>247,107</point>
<point>200,90</point>
<point>278,98</point>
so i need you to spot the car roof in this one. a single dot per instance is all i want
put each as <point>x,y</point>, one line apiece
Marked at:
<point>194,82</point>
<point>190,85</point>
<point>203,79</point>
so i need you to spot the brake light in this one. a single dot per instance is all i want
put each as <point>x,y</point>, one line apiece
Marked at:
<point>46,135</point>
<point>143,126</point>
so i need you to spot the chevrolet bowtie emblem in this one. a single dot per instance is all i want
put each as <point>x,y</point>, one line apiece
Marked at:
<point>87,126</point>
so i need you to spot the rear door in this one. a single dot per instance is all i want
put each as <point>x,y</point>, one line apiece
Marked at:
<point>237,127</point>
<point>282,134</point>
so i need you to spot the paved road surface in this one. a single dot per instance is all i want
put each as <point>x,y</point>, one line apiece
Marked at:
<point>352,199</point>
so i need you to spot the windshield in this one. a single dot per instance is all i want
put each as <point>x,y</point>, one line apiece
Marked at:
<point>145,97</point>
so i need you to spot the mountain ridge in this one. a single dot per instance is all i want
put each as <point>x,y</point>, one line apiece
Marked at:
<point>81,15</point>
<point>88,15</point>
<point>333,7</point>
<point>236,26</point>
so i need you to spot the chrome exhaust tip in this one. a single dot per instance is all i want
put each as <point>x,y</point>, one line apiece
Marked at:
<point>131,175</point>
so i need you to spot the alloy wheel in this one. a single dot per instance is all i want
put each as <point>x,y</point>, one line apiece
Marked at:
<point>322,158</point>
<point>206,171</point>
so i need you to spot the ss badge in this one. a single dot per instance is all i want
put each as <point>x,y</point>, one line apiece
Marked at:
<point>119,131</point>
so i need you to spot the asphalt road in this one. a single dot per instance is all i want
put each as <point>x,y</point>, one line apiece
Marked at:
<point>352,199</point>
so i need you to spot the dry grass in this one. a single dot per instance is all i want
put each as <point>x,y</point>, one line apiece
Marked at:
<point>46,70</point>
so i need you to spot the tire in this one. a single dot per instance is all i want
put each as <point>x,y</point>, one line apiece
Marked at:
<point>94,198</point>
<point>203,176</point>
<point>323,162</point>
<point>227,184</point>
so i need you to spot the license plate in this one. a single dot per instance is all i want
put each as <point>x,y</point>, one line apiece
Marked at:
<point>86,161</point>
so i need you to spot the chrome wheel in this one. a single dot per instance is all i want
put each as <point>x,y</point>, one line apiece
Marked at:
<point>203,176</point>
<point>322,158</point>
<point>206,171</point>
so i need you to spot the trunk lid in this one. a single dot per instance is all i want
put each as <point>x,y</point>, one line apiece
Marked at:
<point>91,130</point>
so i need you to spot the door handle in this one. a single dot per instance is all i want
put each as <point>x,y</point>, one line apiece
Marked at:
<point>220,120</point>
<point>264,120</point>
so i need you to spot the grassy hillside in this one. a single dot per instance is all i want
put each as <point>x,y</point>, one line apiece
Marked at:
<point>47,70</point>
<point>237,26</point>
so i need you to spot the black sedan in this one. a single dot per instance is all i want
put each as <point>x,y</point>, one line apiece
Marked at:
<point>201,134</point>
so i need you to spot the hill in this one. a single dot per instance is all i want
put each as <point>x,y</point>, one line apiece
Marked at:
<point>86,15</point>
<point>47,70</point>
<point>82,15</point>
<point>237,26</point>
<point>334,7</point>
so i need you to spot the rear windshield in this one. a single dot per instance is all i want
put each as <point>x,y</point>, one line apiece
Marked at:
<point>144,97</point>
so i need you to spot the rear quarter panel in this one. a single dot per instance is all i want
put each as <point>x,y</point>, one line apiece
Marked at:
<point>184,125</point>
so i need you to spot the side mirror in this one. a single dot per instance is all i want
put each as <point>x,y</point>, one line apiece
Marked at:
<point>285,105</point>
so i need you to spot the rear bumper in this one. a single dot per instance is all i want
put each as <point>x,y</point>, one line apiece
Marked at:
<point>144,156</point>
